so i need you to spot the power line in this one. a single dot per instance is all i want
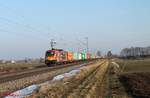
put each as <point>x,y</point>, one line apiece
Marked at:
<point>15,13</point>
<point>25,26</point>
<point>21,16</point>
<point>8,32</point>
<point>29,26</point>
<point>85,44</point>
<point>12,10</point>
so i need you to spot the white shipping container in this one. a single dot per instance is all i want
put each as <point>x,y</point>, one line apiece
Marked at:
<point>80,56</point>
<point>75,56</point>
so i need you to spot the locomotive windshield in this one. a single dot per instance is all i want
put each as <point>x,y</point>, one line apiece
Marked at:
<point>50,54</point>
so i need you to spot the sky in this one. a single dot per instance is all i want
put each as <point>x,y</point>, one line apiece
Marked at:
<point>27,26</point>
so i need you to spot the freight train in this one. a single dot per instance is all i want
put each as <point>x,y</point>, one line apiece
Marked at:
<point>59,56</point>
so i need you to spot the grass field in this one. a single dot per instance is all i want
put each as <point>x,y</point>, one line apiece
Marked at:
<point>18,66</point>
<point>134,65</point>
<point>135,77</point>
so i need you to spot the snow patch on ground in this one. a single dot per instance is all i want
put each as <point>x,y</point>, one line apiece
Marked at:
<point>23,92</point>
<point>69,74</point>
<point>30,89</point>
<point>117,65</point>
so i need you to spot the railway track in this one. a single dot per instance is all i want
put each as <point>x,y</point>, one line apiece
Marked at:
<point>8,72</point>
<point>19,75</point>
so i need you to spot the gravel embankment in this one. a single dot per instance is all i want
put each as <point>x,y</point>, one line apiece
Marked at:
<point>12,86</point>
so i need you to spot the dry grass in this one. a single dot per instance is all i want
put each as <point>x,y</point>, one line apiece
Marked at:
<point>135,76</point>
<point>115,87</point>
<point>19,66</point>
<point>24,82</point>
<point>135,65</point>
<point>97,85</point>
<point>84,85</point>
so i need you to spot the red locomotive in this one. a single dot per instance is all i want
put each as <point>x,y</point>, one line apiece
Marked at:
<point>57,56</point>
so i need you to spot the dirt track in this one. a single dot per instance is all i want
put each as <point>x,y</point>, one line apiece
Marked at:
<point>91,86</point>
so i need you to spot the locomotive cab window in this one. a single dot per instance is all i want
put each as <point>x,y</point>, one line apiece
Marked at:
<point>50,54</point>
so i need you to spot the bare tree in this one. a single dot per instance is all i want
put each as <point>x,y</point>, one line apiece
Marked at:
<point>135,52</point>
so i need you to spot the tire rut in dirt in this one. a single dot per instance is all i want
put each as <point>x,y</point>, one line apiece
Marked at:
<point>85,85</point>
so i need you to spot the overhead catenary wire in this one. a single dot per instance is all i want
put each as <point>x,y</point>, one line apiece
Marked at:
<point>30,28</point>
<point>23,34</point>
<point>84,43</point>
<point>81,44</point>
<point>23,18</point>
<point>69,44</point>
<point>26,27</point>
<point>13,11</point>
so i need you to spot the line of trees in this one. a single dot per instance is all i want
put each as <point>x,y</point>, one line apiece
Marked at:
<point>135,52</point>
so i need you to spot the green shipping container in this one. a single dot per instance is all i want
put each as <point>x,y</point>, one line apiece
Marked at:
<point>83,55</point>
